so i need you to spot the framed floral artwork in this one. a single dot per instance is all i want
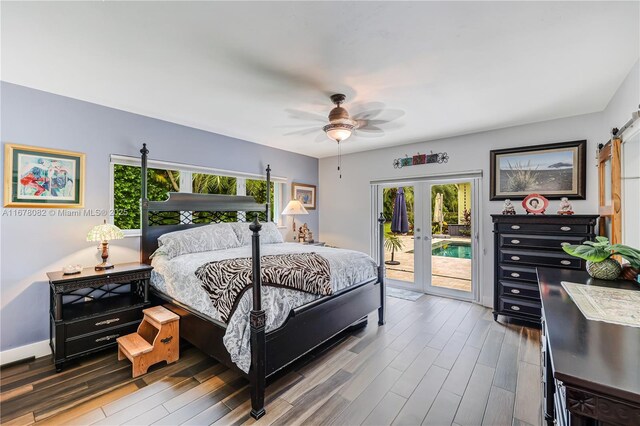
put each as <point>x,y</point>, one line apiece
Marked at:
<point>304,193</point>
<point>43,177</point>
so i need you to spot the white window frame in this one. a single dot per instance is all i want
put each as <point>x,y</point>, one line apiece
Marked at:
<point>186,173</point>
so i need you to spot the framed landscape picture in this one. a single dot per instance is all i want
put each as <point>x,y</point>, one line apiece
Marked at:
<point>304,193</point>
<point>42,177</point>
<point>553,170</point>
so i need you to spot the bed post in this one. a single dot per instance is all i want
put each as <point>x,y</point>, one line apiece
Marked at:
<point>268,218</point>
<point>383,290</point>
<point>257,322</point>
<point>144,202</point>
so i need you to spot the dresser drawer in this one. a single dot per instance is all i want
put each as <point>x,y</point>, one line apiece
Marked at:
<point>101,322</point>
<point>517,273</point>
<point>539,258</point>
<point>104,338</point>
<point>519,290</point>
<point>547,228</point>
<point>520,306</point>
<point>539,241</point>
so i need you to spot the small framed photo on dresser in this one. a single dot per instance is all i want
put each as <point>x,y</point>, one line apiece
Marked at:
<point>304,193</point>
<point>41,177</point>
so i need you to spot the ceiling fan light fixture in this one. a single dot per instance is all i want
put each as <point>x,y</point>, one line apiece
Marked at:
<point>339,131</point>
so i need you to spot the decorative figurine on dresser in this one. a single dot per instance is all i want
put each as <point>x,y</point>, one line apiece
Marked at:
<point>524,242</point>
<point>89,310</point>
<point>508,207</point>
<point>565,207</point>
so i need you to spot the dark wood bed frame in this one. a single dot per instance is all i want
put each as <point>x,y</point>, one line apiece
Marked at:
<point>306,327</point>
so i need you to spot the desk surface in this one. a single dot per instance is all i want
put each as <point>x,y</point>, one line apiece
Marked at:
<point>594,355</point>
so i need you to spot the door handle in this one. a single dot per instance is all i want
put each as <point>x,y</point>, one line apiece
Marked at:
<point>417,238</point>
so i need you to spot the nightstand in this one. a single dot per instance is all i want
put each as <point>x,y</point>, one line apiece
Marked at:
<point>90,310</point>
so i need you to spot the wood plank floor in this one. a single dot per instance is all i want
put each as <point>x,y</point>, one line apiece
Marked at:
<point>437,361</point>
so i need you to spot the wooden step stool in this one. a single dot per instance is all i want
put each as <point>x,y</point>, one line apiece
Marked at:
<point>157,340</point>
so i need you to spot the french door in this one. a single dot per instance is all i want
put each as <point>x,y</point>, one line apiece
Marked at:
<point>434,247</point>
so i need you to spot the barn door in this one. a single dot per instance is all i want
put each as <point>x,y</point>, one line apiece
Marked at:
<point>609,189</point>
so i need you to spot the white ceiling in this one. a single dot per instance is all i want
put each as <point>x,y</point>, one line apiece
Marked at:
<point>239,68</point>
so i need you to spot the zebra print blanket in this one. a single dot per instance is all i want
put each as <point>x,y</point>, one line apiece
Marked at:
<point>226,280</point>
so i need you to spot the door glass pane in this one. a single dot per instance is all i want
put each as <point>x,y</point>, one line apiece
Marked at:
<point>398,205</point>
<point>450,249</point>
<point>607,183</point>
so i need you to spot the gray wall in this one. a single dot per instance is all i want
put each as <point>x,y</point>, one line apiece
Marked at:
<point>30,246</point>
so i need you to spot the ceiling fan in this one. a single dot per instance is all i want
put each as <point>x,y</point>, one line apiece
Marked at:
<point>342,126</point>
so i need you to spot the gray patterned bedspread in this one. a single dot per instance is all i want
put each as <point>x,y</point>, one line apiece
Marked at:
<point>176,278</point>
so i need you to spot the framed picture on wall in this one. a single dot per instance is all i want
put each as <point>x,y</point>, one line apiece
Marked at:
<point>304,193</point>
<point>43,177</point>
<point>554,170</point>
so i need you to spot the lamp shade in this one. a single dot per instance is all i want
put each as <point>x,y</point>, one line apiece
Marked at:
<point>105,232</point>
<point>338,131</point>
<point>294,207</point>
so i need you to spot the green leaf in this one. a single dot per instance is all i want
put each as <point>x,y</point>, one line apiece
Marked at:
<point>602,239</point>
<point>629,253</point>
<point>587,252</point>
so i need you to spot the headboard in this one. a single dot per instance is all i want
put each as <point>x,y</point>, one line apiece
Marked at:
<point>182,211</point>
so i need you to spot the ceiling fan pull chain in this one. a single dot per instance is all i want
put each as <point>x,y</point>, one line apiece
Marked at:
<point>339,160</point>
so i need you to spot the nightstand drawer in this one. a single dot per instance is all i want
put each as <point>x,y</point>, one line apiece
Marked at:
<point>539,241</point>
<point>519,306</point>
<point>78,345</point>
<point>101,322</point>
<point>547,228</point>
<point>538,258</point>
<point>518,290</point>
<point>517,273</point>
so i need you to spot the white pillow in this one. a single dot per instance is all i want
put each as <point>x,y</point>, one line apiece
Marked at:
<point>217,236</point>
<point>268,235</point>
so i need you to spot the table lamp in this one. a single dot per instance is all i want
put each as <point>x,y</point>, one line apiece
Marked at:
<point>104,233</point>
<point>293,208</point>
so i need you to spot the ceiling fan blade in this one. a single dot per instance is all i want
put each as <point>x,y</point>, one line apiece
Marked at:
<point>305,115</point>
<point>384,115</point>
<point>369,129</point>
<point>302,132</point>
<point>377,133</point>
<point>322,137</point>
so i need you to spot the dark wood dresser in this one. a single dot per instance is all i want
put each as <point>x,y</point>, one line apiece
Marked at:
<point>524,242</point>
<point>90,310</point>
<point>591,369</point>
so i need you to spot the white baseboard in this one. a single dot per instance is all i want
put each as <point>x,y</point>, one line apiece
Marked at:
<point>36,349</point>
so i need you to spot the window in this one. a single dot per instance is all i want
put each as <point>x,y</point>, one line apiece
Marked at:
<point>169,177</point>
<point>126,192</point>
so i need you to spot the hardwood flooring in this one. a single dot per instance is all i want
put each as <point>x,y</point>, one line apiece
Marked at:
<point>437,361</point>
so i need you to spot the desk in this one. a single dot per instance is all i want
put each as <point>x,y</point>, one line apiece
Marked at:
<point>591,369</point>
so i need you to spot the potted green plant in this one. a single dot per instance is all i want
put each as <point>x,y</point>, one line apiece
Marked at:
<point>598,254</point>
<point>392,243</point>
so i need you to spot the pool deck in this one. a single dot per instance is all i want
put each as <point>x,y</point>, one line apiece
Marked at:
<point>447,272</point>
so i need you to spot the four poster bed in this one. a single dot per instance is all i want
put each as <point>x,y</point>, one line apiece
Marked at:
<point>306,323</point>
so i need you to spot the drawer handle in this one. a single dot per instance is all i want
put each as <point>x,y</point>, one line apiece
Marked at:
<point>107,322</point>
<point>515,291</point>
<point>565,262</point>
<point>515,308</point>
<point>515,226</point>
<point>515,274</point>
<point>515,257</point>
<point>166,340</point>
<point>565,228</point>
<point>515,241</point>
<point>107,338</point>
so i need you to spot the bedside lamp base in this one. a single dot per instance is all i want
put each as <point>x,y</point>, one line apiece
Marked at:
<point>105,255</point>
<point>103,266</point>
